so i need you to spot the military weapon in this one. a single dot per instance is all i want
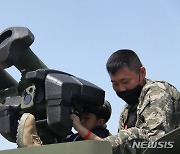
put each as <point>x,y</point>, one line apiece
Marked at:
<point>48,94</point>
<point>7,85</point>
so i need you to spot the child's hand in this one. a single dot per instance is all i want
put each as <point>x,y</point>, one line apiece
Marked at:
<point>82,131</point>
<point>76,122</point>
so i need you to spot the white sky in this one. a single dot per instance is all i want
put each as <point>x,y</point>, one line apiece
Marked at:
<point>78,37</point>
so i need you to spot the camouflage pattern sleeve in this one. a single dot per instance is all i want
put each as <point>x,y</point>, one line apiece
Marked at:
<point>154,119</point>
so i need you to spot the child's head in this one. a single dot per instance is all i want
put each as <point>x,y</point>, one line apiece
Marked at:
<point>91,117</point>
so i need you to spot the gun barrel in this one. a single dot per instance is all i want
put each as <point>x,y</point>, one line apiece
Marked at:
<point>14,50</point>
<point>29,62</point>
<point>6,80</point>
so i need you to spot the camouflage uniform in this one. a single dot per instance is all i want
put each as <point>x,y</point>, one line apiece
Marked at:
<point>155,115</point>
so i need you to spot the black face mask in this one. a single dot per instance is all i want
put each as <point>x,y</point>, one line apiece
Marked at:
<point>131,96</point>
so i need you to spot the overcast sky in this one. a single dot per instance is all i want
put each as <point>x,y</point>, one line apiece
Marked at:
<point>78,37</point>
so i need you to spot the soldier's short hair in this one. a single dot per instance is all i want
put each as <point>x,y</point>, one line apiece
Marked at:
<point>123,58</point>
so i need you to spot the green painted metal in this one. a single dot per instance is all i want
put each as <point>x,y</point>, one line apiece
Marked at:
<point>173,136</point>
<point>6,80</point>
<point>79,147</point>
<point>29,62</point>
<point>8,85</point>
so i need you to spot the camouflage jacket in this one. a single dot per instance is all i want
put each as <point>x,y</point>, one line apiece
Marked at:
<point>156,114</point>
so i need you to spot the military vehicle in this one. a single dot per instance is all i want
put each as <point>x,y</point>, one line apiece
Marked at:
<point>50,95</point>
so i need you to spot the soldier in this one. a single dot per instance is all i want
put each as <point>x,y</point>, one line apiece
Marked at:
<point>151,108</point>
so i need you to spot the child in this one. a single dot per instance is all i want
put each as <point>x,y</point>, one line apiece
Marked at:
<point>91,121</point>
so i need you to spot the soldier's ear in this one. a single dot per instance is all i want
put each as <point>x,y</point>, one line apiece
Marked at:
<point>100,122</point>
<point>143,72</point>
